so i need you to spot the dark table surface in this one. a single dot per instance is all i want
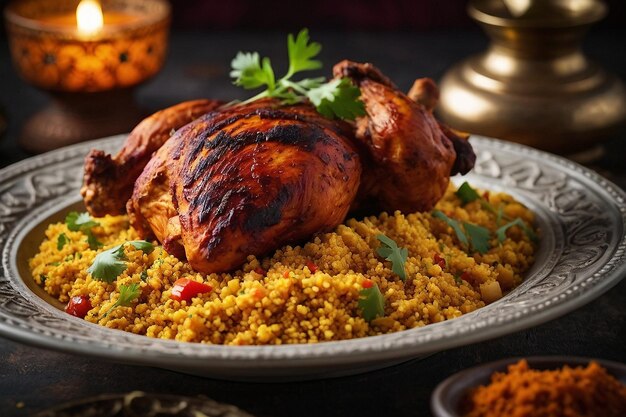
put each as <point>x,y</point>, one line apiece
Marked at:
<point>32,379</point>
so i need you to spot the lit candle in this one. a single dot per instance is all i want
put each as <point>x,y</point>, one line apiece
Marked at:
<point>89,58</point>
<point>89,17</point>
<point>88,48</point>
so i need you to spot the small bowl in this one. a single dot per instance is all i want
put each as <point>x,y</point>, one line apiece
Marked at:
<point>446,398</point>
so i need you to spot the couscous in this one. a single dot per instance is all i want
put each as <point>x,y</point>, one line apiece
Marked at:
<point>381,274</point>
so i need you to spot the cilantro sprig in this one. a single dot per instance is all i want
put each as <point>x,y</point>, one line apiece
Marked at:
<point>501,232</point>
<point>62,240</point>
<point>335,98</point>
<point>470,235</point>
<point>81,222</point>
<point>477,237</point>
<point>391,252</point>
<point>110,264</point>
<point>466,193</point>
<point>128,294</point>
<point>371,302</point>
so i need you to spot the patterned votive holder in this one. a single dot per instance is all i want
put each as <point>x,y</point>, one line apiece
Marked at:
<point>89,57</point>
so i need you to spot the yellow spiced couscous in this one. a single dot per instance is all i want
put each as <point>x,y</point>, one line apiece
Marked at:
<point>344,284</point>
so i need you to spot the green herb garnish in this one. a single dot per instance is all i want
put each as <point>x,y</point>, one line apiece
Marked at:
<point>144,275</point>
<point>455,225</point>
<point>478,237</point>
<point>84,223</point>
<point>391,252</point>
<point>79,221</point>
<point>109,264</point>
<point>466,193</point>
<point>62,240</point>
<point>371,303</point>
<point>93,241</point>
<point>143,245</point>
<point>501,232</point>
<point>470,235</point>
<point>128,294</point>
<point>335,98</point>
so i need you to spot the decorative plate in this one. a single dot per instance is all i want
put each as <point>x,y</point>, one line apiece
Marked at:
<point>582,254</point>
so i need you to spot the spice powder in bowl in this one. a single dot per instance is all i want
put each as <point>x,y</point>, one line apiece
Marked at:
<point>569,391</point>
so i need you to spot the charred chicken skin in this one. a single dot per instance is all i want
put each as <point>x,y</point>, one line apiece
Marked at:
<point>410,157</point>
<point>109,180</point>
<point>248,179</point>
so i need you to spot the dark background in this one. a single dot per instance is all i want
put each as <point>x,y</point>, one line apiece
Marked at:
<point>406,39</point>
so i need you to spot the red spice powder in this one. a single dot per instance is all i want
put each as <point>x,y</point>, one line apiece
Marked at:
<point>567,392</point>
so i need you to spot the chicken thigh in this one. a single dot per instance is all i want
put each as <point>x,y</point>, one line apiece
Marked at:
<point>409,158</point>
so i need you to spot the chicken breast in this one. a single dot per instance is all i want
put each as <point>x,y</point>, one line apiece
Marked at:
<point>244,181</point>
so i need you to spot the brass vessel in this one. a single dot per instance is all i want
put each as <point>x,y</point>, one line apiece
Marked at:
<point>534,85</point>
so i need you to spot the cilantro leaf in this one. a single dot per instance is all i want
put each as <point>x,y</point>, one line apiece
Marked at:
<point>79,221</point>
<point>466,193</point>
<point>249,73</point>
<point>478,237</point>
<point>338,98</point>
<point>62,240</point>
<point>391,252</point>
<point>93,241</point>
<point>371,303</point>
<point>108,265</point>
<point>501,232</point>
<point>301,53</point>
<point>470,235</point>
<point>499,216</point>
<point>455,225</point>
<point>128,294</point>
<point>142,245</point>
<point>335,98</point>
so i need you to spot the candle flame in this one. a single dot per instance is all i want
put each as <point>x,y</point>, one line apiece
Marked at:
<point>89,17</point>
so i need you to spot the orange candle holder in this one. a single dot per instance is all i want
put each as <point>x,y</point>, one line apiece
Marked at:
<point>90,73</point>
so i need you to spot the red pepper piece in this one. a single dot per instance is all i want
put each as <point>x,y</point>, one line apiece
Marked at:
<point>286,274</point>
<point>260,271</point>
<point>368,283</point>
<point>185,289</point>
<point>312,267</point>
<point>78,306</point>
<point>439,261</point>
<point>465,276</point>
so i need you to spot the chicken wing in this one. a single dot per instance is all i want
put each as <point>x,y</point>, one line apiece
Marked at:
<point>109,180</point>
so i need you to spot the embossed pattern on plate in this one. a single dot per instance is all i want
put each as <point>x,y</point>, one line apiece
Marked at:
<point>582,254</point>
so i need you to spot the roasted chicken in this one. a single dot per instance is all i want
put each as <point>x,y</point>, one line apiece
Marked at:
<point>247,179</point>
<point>244,180</point>
<point>108,182</point>
<point>410,157</point>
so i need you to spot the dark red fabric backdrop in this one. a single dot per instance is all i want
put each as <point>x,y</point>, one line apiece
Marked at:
<point>282,15</point>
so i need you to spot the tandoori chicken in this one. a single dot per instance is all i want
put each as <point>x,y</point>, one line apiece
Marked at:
<point>247,179</point>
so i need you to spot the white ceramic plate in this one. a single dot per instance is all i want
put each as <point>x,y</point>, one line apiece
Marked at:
<point>582,254</point>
